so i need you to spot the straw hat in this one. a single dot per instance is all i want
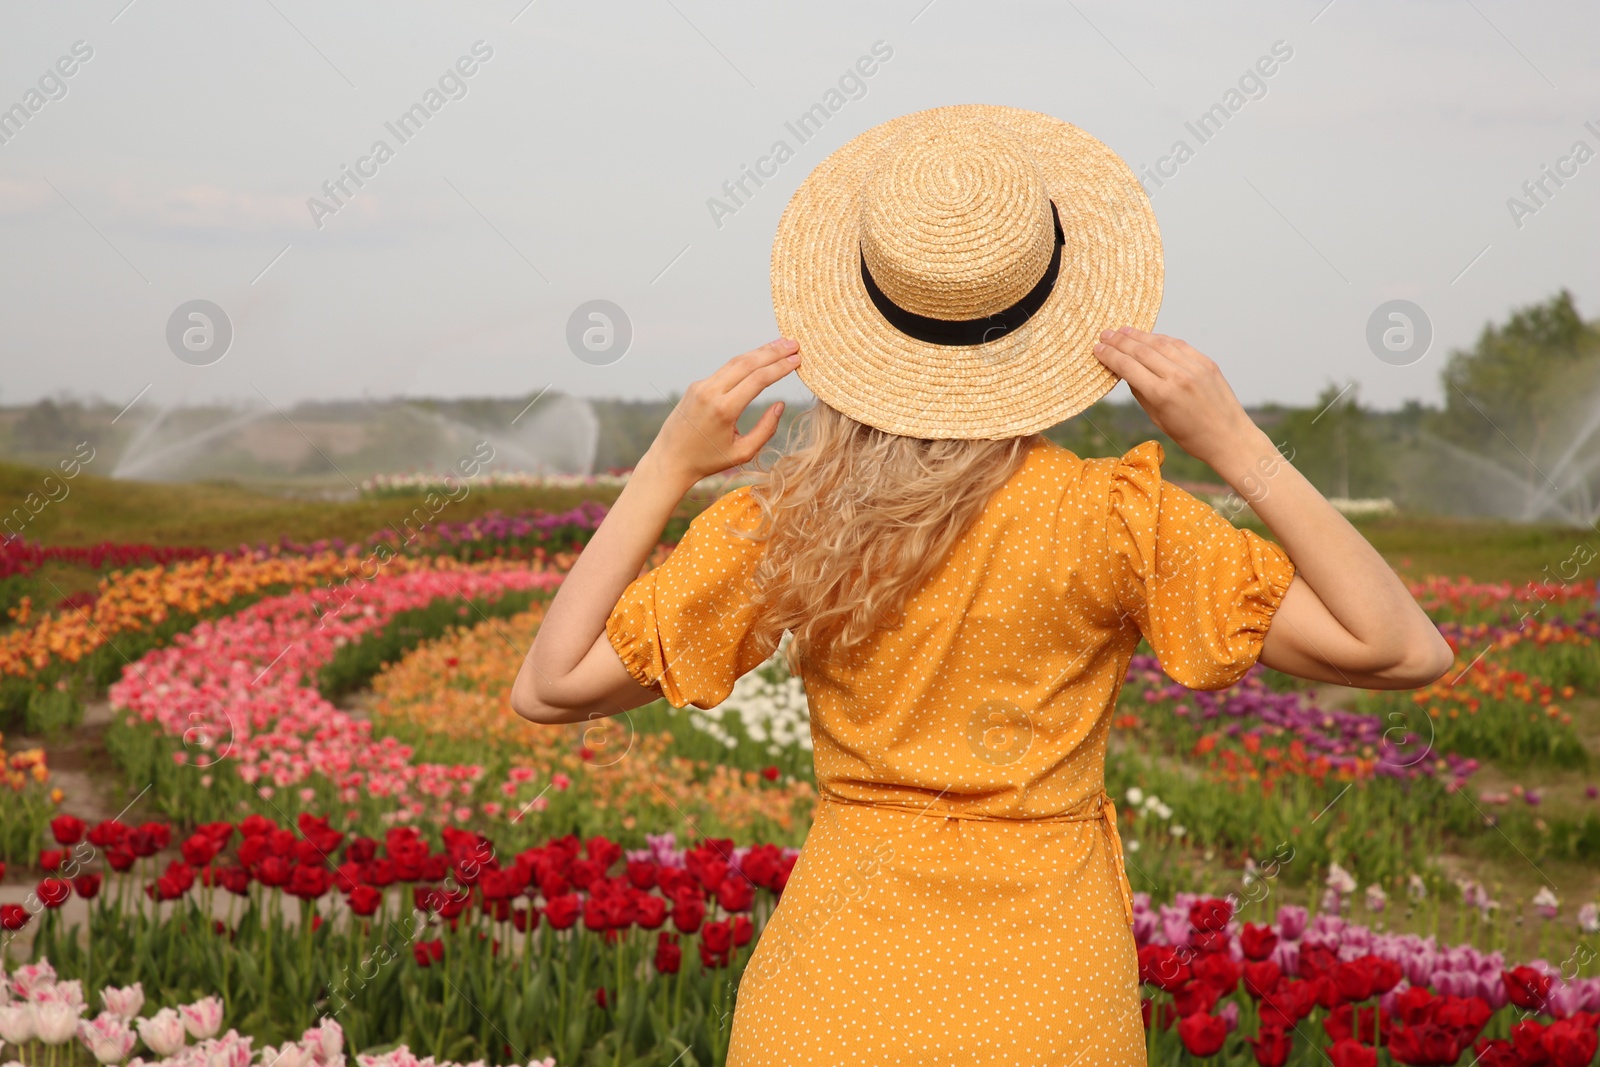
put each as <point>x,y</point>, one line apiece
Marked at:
<point>947,274</point>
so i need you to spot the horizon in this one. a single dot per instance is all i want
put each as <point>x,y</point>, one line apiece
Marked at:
<point>1309,166</point>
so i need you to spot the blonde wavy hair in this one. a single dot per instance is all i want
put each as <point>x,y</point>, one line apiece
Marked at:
<point>855,520</point>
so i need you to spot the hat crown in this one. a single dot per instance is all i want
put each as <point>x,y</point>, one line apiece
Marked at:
<point>955,219</point>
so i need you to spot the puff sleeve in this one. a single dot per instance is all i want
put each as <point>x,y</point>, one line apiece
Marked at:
<point>681,629</point>
<point>1202,591</point>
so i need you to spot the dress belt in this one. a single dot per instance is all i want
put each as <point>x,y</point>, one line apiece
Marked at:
<point>1105,813</point>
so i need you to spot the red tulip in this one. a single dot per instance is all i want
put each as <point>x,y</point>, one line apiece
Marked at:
<point>307,854</point>
<point>1316,960</point>
<point>87,885</point>
<point>427,953</point>
<point>1272,1047</point>
<point>1165,1016</point>
<point>1262,979</point>
<point>563,911</point>
<point>1527,987</point>
<point>1569,1043</point>
<point>1218,970</point>
<point>254,825</point>
<point>1385,974</point>
<point>1496,1053</point>
<point>603,851</point>
<point>1210,915</point>
<point>716,944</point>
<point>641,874</point>
<point>1163,967</point>
<point>364,900</point>
<point>735,893</point>
<point>281,842</point>
<point>1203,1035</point>
<point>108,833</point>
<point>1345,1022</point>
<point>1353,980</point>
<point>708,868</point>
<point>743,931</point>
<point>235,880</point>
<point>120,859</point>
<point>770,773</point>
<point>1194,998</point>
<point>273,871</point>
<point>1464,1016</point>
<point>651,911</point>
<point>68,829</point>
<point>761,864</point>
<point>718,936</point>
<point>1414,1005</point>
<point>1349,1053</point>
<point>50,859</point>
<point>53,892</point>
<point>361,850</point>
<point>13,916</point>
<point>380,872</point>
<point>1424,1045</point>
<point>669,957</point>
<point>199,849</point>
<point>1257,941</point>
<point>687,915</point>
<point>1527,1037</point>
<point>141,843</point>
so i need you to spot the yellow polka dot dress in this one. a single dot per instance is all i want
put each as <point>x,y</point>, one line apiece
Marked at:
<point>961,898</point>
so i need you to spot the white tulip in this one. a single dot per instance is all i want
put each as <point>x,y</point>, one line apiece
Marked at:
<point>163,1032</point>
<point>55,1023</point>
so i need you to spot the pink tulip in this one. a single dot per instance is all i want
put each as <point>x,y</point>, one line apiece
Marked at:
<point>108,1037</point>
<point>163,1032</point>
<point>1291,922</point>
<point>126,1002</point>
<point>203,1018</point>
<point>27,978</point>
<point>324,1043</point>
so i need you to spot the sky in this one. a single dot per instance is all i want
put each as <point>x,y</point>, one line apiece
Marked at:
<point>185,156</point>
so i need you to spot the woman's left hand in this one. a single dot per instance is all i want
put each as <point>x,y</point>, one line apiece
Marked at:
<point>701,435</point>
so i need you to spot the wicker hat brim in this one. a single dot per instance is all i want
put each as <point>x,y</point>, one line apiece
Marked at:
<point>1032,378</point>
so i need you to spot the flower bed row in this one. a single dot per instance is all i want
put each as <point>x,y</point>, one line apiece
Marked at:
<point>451,696</point>
<point>567,946</point>
<point>1217,988</point>
<point>573,948</point>
<point>19,557</point>
<point>229,715</point>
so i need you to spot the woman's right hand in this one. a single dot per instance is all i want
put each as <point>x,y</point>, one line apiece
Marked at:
<point>701,435</point>
<point>1182,391</point>
<point>1346,616</point>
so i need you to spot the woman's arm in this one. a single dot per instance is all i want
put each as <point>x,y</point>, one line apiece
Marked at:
<point>1347,617</point>
<point>572,674</point>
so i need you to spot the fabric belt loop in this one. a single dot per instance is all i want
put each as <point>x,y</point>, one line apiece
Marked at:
<point>1115,840</point>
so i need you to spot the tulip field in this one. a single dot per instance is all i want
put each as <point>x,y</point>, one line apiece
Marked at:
<point>322,837</point>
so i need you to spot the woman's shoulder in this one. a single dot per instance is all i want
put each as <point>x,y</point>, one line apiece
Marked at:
<point>734,512</point>
<point>1050,462</point>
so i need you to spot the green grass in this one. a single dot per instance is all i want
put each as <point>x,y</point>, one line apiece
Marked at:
<point>1485,550</point>
<point>228,515</point>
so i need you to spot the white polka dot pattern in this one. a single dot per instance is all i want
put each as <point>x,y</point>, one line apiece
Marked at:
<point>942,911</point>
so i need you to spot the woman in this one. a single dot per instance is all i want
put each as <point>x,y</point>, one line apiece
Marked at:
<point>963,596</point>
